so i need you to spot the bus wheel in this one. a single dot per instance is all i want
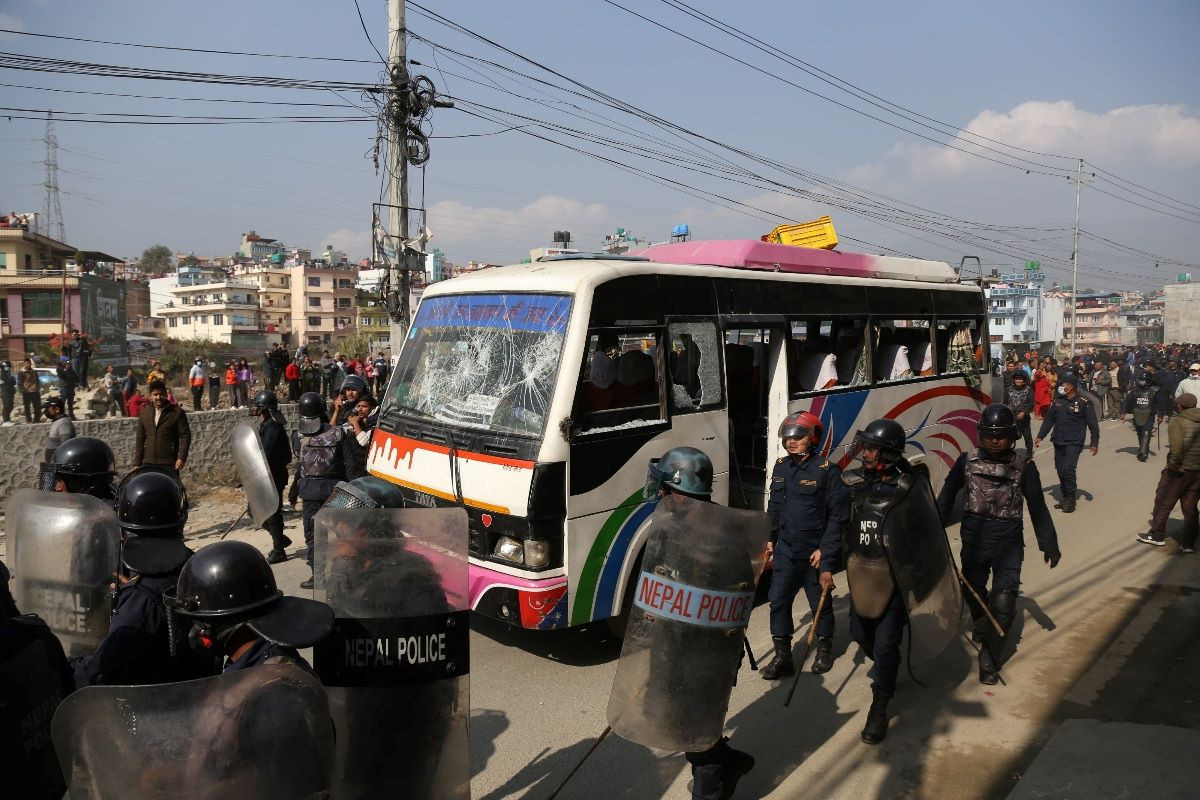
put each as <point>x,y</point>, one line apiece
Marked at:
<point>617,624</point>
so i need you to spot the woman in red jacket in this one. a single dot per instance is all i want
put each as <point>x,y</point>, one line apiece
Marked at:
<point>1042,389</point>
<point>291,373</point>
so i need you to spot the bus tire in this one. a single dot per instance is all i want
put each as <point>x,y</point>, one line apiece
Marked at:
<point>617,624</point>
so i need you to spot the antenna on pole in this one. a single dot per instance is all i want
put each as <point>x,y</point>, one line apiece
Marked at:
<point>52,212</point>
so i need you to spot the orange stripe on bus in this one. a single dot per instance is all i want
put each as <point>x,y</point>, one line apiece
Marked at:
<point>444,495</point>
<point>406,447</point>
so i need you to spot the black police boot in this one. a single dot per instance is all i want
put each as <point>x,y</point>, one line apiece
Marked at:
<point>737,764</point>
<point>1068,504</point>
<point>1143,445</point>
<point>309,583</point>
<point>823,662</point>
<point>780,663</point>
<point>875,730</point>
<point>989,673</point>
<point>276,556</point>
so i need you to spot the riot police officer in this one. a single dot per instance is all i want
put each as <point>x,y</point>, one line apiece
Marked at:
<point>265,408</point>
<point>327,455</point>
<point>998,482</point>
<point>1069,417</point>
<point>1143,401</point>
<point>807,507</point>
<point>140,647</point>
<point>83,465</point>
<point>35,678</point>
<point>228,593</point>
<point>898,565</point>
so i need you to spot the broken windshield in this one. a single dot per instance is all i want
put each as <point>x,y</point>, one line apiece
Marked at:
<point>483,360</point>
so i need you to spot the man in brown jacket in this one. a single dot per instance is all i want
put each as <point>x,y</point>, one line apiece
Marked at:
<point>1180,480</point>
<point>163,435</point>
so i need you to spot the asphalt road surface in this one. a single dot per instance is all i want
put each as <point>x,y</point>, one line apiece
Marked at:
<point>1109,635</point>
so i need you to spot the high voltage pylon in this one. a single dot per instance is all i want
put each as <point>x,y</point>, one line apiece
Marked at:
<point>52,212</point>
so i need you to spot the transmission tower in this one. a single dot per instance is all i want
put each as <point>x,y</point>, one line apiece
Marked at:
<point>52,213</point>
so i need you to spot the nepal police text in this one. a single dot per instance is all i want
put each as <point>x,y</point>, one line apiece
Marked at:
<point>395,651</point>
<point>64,610</point>
<point>692,604</point>
<point>868,533</point>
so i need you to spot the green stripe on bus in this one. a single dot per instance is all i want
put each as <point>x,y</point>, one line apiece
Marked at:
<point>585,590</point>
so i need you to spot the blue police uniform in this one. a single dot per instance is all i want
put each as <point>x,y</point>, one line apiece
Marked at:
<point>1069,420</point>
<point>264,652</point>
<point>808,508</point>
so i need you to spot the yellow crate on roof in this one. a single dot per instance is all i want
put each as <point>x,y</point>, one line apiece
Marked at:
<point>819,234</point>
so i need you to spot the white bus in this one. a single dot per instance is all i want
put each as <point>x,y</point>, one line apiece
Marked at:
<point>534,395</point>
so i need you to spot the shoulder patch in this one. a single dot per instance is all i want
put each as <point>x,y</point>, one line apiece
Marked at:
<point>781,460</point>
<point>824,464</point>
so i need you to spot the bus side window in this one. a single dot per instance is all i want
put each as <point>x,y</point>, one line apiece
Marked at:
<point>694,366</point>
<point>619,382</point>
<point>904,350</point>
<point>958,347</point>
<point>812,362</point>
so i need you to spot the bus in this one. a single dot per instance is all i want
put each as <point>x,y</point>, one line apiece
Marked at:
<point>534,396</point>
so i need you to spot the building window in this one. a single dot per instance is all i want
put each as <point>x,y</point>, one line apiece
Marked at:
<point>314,302</point>
<point>345,283</point>
<point>343,302</point>
<point>343,322</point>
<point>172,323</point>
<point>314,322</point>
<point>366,322</point>
<point>41,305</point>
<point>314,281</point>
<point>204,319</point>
<point>185,320</point>
<point>218,319</point>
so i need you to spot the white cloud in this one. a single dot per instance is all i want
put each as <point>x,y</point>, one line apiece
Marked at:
<point>11,22</point>
<point>1159,134</point>
<point>357,244</point>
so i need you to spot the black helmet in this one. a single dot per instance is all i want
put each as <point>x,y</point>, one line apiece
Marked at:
<point>998,420</point>
<point>311,408</point>
<point>1145,379</point>
<point>264,399</point>
<point>152,506</point>
<point>85,457</point>
<point>355,383</point>
<point>684,469</point>
<point>366,492</point>
<point>886,435</point>
<point>229,584</point>
<point>53,401</point>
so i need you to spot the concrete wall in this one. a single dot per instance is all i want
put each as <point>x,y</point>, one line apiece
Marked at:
<point>1181,312</point>
<point>22,447</point>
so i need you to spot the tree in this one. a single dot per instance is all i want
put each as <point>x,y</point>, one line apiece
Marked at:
<point>191,260</point>
<point>157,259</point>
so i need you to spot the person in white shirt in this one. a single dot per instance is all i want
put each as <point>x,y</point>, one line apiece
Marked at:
<point>1190,384</point>
<point>112,390</point>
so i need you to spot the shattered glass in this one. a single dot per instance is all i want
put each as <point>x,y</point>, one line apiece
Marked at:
<point>483,361</point>
<point>695,367</point>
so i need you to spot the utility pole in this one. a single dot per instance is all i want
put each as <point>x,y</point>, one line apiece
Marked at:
<point>1075,257</point>
<point>397,167</point>
<point>52,214</point>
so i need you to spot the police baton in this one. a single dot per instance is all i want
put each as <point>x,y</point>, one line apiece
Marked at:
<point>750,654</point>
<point>592,749</point>
<point>982,605</point>
<point>233,524</point>
<point>812,633</point>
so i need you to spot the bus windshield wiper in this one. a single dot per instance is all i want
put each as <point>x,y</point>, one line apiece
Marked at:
<point>402,407</point>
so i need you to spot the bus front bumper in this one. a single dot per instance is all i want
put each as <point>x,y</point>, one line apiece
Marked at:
<point>535,604</point>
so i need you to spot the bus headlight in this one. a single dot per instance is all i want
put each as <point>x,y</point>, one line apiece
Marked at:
<point>509,549</point>
<point>537,552</point>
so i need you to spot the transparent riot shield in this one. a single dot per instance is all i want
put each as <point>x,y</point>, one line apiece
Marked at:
<point>65,554</point>
<point>692,603</point>
<point>254,471</point>
<point>256,734</point>
<point>919,553</point>
<point>397,664</point>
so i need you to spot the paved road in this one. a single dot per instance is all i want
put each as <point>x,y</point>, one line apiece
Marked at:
<point>1108,635</point>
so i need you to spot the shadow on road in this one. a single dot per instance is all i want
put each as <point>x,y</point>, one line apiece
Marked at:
<point>583,646</point>
<point>642,773</point>
<point>486,726</point>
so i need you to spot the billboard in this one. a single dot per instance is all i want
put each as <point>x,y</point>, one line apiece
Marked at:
<point>102,308</point>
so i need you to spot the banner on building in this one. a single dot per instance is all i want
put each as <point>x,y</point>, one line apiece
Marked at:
<point>102,308</point>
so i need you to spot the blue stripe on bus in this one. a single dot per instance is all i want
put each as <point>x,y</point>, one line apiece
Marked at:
<point>607,589</point>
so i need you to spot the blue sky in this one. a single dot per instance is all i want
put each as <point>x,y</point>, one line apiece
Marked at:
<point>1067,78</point>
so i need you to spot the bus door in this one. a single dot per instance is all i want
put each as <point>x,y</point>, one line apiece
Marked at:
<point>756,381</point>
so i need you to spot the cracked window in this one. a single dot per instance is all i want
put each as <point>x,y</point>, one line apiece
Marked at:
<point>695,367</point>
<point>482,361</point>
<point>619,385</point>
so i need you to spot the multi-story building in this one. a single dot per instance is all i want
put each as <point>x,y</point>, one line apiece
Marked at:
<point>255,247</point>
<point>1181,312</point>
<point>1021,315</point>
<point>1140,326</point>
<point>220,312</point>
<point>1097,323</point>
<point>274,283</point>
<point>322,302</point>
<point>373,321</point>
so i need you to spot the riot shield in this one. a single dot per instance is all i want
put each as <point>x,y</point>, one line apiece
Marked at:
<point>922,564</point>
<point>255,473</point>
<point>256,734</point>
<point>65,554</point>
<point>34,679</point>
<point>683,644</point>
<point>396,665</point>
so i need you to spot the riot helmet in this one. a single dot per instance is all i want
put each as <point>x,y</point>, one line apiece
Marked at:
<point>152,507</point>
<point>84,464</point>
<point>355,384</point>
<point>884,435</point>
<point>682,469</point>
<point>311,408</point>
<point>229,584</point>
<point>264,399</point>
<point>368,491</point>
<point>998,421</point>
<point>53,401</point>
<point>1145,379</point>
<point>801,424</point>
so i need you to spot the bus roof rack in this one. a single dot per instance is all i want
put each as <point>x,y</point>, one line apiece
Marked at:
<point>591,257</point>
<point>755,254</point>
